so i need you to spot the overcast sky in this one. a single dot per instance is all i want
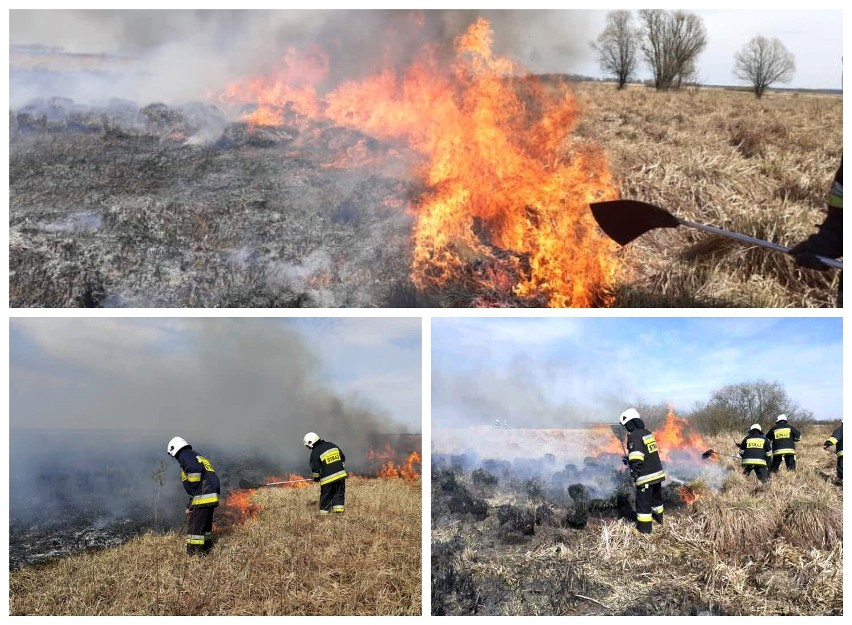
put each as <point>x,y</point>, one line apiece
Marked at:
<point>543,41</point>
<point>588,370</point>
<point>122,373</point>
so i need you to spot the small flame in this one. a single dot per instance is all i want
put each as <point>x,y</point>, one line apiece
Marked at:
<point>690,494</point>
<point>391,467</point>
<point>238,508</point>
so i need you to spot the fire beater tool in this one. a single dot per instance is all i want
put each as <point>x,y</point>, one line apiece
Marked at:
<point>713,452</point>
<point>617,430</point>
<point>626,220</point>
<point>247,484</point>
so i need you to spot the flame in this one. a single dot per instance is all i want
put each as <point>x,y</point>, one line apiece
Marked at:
<point>238,508</point>
<point>290,478</point>
<point>391,467</point>
<point>505,211</point>
<point>677,436</point>
<point>689,495</point>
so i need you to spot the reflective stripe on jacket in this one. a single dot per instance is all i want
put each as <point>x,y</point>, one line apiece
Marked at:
<point>755,449</point>
<point>783,438</point>
<point>327,462</point>
<point>644,457</point>
<point>199,479</point>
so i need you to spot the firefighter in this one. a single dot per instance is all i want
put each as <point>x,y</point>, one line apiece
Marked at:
<point>828,240</point>
<point>329,469</point>
<point>756,452</point>
<point>646,469</point>
<point>202,485</point>
<point>783,438</point>
<point>836,439</point>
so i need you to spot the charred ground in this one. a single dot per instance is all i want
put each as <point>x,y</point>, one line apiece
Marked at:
<point>174,206</point>
<point>507,543</point>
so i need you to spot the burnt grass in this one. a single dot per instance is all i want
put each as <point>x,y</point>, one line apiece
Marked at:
<point>121,206</point>
<point>492,520</point>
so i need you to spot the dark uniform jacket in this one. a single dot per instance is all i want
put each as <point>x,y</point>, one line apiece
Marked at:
<point>327,463</point>
<point>199,479</point>
<point>836,438</point>
<point>643,457</point>
<point>783,438</point>
<point>755,450</point>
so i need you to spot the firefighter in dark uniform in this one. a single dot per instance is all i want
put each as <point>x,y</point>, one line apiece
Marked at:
<point>756,453</point>
<point>836,439</point>
<point>783,438</point>
<point>646,469</point>
<point>828,240</point>
<point>202,485</point>
<point>329,469</point>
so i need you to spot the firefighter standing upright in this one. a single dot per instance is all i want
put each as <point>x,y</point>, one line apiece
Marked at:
<point>783,438</point>
<point>756,453</point>
<point>202,485</point>
<point>646,469</point>
<point>836,439</point>
<point>329,469</point>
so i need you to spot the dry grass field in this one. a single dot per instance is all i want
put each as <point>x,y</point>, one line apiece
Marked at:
<point>724,158</point>
<point>286,560</point>
<point>748,549</point>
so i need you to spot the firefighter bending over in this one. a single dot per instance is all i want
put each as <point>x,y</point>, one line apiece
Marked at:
<point>202,485</point>
<point>783,438</point>
<point>756,453</point>
<point>646,469</point>
<point>329,469</point>
<point>836,439</point>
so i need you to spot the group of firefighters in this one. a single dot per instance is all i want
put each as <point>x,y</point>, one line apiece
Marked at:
<point>760,453</point>
<point>327,464</point>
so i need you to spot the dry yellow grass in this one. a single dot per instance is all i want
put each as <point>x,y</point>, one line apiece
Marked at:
<point>749,549</point>
<point>288,560</point>
<point>760,167</point>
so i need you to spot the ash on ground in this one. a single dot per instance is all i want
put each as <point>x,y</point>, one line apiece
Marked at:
<point>160,206</point>
<point>521,516</point>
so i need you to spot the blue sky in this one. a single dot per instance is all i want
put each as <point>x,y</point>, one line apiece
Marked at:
<point>152,372</point>
<point>586,368</point>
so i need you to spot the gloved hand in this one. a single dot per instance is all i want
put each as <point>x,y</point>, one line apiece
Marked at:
<point>828,241</point>
<point>187,511</point>
<point>634,474</point>
<point>826,447</point>
<point>624,461</point>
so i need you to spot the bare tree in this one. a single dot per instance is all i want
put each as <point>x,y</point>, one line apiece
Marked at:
<point>617,46</point>
<point>763,62</point>
<point>736,406</point>
<point>671,43</point>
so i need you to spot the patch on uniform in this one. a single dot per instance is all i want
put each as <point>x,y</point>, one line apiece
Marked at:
<point>332,455</point>
<point>782,433</point>
<point>650,443</point>
<point>754,443</point>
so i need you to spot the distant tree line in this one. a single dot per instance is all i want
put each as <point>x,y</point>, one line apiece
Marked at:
<point>669,44</point>
<point>733,408</point>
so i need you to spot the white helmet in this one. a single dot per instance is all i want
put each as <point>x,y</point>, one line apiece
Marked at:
<point>781,417</point>
<point>757,427</point>
<point>628,415</point>
<point>310,439</point>
<point>175,445</point>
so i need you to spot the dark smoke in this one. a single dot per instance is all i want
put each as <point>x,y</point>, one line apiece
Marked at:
<point>85,442</point>
<point>174,56</point>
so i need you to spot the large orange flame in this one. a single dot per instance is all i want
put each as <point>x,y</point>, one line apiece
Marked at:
<point>505,206</point>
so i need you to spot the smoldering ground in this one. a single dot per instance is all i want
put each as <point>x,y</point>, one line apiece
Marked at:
<point>94,402</point>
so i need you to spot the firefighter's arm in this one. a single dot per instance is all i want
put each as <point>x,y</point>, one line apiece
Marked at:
<point>315,467</point>
<point>191,471</point>
<point>635,458</point>
<point>797,436</point>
